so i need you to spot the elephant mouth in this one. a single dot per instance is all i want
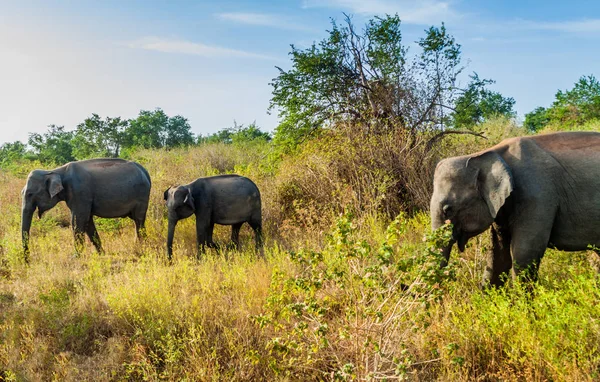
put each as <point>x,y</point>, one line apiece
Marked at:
<point>41,212</point>
<point>461,239</point>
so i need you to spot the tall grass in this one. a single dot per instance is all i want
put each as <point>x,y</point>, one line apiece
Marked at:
<point>349,288</point>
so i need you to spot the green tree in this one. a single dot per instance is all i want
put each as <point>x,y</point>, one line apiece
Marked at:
<point>221,136</point>
<point>476,104</point>
<point>365,78</point>
<point>53,146</point>
<point>178,132</point>
<point>237,134</point>
<point>578,105</point>
<point>95,137</point>
<point>11,152</point>
<point>147,130</point>
<point>250,133</point>
<point>440,63</point>
<point>155,129</point>
<point>536,120</point>
<point>570,107</point>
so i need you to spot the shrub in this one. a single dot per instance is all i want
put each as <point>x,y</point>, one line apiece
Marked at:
<point>346,312</point>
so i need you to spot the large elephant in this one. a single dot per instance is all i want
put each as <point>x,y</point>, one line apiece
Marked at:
<point>535,192</point>
<point>222,199</point>
<point>108,188</point>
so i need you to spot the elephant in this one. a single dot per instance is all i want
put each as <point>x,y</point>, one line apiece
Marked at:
<point>535,192</point>
<point>108,188</point>
<point>221,199</point>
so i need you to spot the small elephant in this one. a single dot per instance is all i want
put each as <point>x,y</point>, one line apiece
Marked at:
<point>108,188</point>
<point>222,199</point>
<point>535,192</point>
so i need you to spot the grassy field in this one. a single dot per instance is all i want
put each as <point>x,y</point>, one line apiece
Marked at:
<point>344,292</point>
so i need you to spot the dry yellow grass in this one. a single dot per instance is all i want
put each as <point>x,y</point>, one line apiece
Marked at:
<point>129,315</point>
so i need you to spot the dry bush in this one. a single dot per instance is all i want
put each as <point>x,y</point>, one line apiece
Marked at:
<point>370,174</point>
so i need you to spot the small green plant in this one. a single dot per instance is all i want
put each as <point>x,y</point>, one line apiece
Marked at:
<point>344,311</point>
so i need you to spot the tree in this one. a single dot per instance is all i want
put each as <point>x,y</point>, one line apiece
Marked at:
<point>536,120</point>
<point>476,104</point>
<point>570,107</point>
<point>366,79</point>
<point>251,133</point>
<point>178,132</point>
<point>155,129</point>
<point>578,105</point>
<point>11,152</point>
<point>147,130</point>
<point>95,137</point>
<point>237,134</point>
<point>53,146</point>
<point>440,62</point>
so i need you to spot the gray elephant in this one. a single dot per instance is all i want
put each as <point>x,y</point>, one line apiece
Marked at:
<point>535,192</point>
<point>222,199</point>
<point>108,188</point>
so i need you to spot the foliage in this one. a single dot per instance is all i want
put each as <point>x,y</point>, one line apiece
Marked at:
<point>477,104</point>
<point>571,107</point>
<point>12,152</point>
<point>53,146</point>
<point>155,129</point>
<point>95,137</point>
<point>147,130</point>
<point>366,79</point>
<point>342,311</point>
<point>178,132</point>
<point>111,137</point>
<point>578,105</point>
<point>536,120</point>
<point>128,315</point>
<point>238,134</point>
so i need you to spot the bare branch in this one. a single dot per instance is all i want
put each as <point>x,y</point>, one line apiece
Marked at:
<point>442,134</point>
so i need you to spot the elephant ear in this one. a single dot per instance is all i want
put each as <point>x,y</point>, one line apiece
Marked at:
<point>494,179</point>
<point>189,199</point>
<point>54,184</point>
<point>166,194</point>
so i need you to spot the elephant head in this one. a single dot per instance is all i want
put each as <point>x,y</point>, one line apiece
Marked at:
<point>42,192</point>
<point>469,192</point>
<point>180,204</point>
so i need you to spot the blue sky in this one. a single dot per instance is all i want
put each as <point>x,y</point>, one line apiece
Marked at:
<point>61,61</point>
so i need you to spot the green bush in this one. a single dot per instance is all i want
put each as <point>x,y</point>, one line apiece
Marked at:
<point>342,312</point>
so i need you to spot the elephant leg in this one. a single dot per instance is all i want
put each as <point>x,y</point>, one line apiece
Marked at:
<point>79,222</point>
<point>209,236</point>
<point>258,240</point>
<point>139,218</point>
<point>528,245</point>
<point>235,235</point>
<point>203,234</point>
<point>93,235</point>
<point>499,261</point>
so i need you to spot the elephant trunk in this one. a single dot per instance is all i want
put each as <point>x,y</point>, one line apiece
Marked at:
<point>170,235</point>
<point>446,254</point>
<point>26,216</point>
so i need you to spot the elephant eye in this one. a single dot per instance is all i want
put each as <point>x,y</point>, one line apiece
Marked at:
<point>447,210</point>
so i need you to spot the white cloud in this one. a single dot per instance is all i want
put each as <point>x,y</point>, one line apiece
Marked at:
<point>261,19</point>
<point>166,45</point>
<point>410,11</point>
<point>573,26</point>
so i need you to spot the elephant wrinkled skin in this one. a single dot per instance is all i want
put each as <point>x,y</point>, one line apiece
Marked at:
<point>222,199</point>
<point>108,188</point>
<point>535,192</point>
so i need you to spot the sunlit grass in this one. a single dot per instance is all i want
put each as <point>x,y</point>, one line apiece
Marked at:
<point>128,314</point>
